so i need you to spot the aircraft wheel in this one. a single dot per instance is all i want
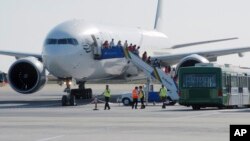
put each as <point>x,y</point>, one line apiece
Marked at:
<point>78,97</point>
<point>72,100</point>
<point>64,100</point>
<point>196,107</point>
<point>126,101</point>
<point>90,94</point>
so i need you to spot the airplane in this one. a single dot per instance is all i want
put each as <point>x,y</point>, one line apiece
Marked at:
<point>70,50</point>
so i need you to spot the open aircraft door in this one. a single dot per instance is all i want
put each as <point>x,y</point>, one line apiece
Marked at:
<point>97,47</point>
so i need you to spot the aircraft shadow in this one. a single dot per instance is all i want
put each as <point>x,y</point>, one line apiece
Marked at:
<point>187,110</point>
<point>245,110</point>
<point>37,104</point>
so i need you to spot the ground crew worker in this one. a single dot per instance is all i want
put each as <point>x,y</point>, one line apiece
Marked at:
<point>107,95</point>
<point>141,96</point>
<point>163,96</point>
<point>135,98</point>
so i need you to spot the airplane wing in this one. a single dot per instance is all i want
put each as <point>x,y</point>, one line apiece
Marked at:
<point>172,59</point>
<point>20,54</point>
<point>202,42</point>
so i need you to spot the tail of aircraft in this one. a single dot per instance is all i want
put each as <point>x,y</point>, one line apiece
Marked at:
<point>159,23</point>
<point>158,16</point>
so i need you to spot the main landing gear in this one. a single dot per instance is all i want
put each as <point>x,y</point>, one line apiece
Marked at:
<point>73,94</point>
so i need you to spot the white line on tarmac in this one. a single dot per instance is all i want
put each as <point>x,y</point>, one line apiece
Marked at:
<point>48,105</point>
<point>51,138</point>
<point>195,116</point>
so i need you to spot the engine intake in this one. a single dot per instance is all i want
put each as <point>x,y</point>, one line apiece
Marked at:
<point>27,75</point>
<point>191,60</point>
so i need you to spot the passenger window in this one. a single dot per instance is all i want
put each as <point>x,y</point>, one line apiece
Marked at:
<point>224,80</point>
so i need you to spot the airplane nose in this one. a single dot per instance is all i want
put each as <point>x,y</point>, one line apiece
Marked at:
<point>59,59</point>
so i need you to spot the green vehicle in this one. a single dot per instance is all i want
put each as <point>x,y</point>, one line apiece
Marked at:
<point>210,85</point>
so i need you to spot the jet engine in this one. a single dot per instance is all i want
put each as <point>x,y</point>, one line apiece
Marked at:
<point>27,75</point>
<point>191,60</point>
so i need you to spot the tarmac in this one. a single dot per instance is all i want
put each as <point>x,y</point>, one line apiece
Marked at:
<point>40,117</point>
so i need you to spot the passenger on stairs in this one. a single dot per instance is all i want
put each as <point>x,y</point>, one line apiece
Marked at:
<point>144,56</point>
<point>130,47</point>
<point>125,44</point>
<point>149,60</point>
<point>105,44</point>
<point>133,49</point>
<point>157,63</point>
<point>167,69</point>
<point>112,44</point>
<point>119,44</point>
<point>137,51</point>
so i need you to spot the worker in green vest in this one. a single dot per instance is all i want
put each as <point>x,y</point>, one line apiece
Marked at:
<point>141,96</point>
<point>107,95</point>
<point>163,96</point>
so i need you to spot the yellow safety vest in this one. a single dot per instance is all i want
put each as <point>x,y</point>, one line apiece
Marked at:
<point>163,92</point>
<point>141,94</point>
<point>107,93</point>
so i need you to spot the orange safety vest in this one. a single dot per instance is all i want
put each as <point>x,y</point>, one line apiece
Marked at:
<point>134,94</point>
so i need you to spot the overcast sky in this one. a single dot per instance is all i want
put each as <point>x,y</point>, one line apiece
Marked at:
<point>25,23</point>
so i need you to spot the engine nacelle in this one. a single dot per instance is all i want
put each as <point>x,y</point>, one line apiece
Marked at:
<point>27,75</point>
<point>191,60</point>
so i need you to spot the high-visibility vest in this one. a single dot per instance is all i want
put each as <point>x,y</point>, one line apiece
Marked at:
<point>134,93</point>
<point>163,92</point>
<point>107,93</point>
<point>141,94</point>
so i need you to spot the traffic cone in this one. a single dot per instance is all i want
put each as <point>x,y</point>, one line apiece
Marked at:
<point>95,102</point>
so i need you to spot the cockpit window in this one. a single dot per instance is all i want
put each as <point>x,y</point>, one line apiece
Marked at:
<point>51,41</point>
<point>72,41</point>
<point>63,41</point>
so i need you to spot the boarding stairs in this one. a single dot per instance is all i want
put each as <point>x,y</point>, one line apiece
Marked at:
<point>155,73</point>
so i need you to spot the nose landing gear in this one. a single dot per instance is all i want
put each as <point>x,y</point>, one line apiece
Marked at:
<point>69,99</point>
<point>73,94</point>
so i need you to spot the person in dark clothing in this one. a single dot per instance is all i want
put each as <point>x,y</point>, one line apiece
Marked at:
<point>135,98</point>
<point>141,96</point>
<point>149,60</point>
<point>156,63</point>
<point>107,97</point>
<point>144,56</point>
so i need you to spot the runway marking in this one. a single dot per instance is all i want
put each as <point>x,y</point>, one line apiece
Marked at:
<point>51,138</point>
<point>48,105</point>
<point>12,104</point>
<point>195,116</point>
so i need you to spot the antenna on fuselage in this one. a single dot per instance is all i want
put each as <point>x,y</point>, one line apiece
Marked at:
<point>158,14</point>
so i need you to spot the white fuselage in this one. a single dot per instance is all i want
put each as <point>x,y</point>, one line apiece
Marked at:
<point>65,59</point>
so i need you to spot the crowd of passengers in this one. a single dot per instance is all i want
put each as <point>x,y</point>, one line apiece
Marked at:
<point>134,49</point>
